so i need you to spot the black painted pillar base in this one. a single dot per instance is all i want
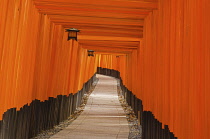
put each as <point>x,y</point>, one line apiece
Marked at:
<point>151,127</point>
<point>31,119</point>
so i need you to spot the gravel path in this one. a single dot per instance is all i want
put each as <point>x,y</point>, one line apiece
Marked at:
<point>104,114</point>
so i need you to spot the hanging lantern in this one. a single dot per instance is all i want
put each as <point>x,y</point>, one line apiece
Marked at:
<point>90,53</point>
<point>72,33</point>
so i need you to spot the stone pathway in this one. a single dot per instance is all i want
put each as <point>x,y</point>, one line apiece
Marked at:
<point>103,116</point>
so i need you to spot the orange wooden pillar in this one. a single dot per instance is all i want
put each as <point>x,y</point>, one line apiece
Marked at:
<point>173,63</point>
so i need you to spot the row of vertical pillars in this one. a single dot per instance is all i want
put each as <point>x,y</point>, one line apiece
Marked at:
<point>31,119</point>
<point>151,127</point>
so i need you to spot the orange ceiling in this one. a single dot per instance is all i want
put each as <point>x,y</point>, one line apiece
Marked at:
<point>111,25</point>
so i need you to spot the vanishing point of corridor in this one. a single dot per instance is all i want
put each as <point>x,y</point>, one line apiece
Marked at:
<point>103,116</point>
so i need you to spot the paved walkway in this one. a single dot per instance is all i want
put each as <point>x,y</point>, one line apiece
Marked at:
<point>103,116</point>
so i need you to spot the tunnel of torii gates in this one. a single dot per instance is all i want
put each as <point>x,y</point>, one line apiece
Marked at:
<point>161,50</point>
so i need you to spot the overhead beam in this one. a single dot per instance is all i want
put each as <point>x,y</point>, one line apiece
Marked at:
<point>116,21</point>
<point>110,53</point>
<point>120,44</point>
<point>91,14</point>
<point>113,25</point>
<point>111,46</point>
<point>93,21</point>
<point>100,3</point>
<point>108,46</point>
<point>102,26</point>
<point>113,34</point>
<point>107,29</point>
<point>125,11</point>
<point>86,37</point>
<point>87,17</point>
<point>113,49</point>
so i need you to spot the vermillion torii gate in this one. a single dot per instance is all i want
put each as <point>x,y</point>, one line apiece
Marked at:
<point>159,49</point>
